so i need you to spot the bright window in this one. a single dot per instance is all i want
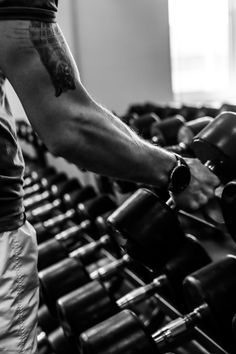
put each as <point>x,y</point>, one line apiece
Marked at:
<point>200,48</point>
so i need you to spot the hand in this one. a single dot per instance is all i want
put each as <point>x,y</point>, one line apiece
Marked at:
<point>200,189</point>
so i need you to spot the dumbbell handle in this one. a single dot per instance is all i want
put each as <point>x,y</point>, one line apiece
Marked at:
<point>169,333</point>
<point>90,248</point>
<point>56,220</point>
<point>31,189</point>
<point>36,187</point>
<point>59,218</point>
<point>110,269</point>
<point>30,179</point>
<point>171,203</point>
<point>210,165</point>
<point>45,208</point>
<point>36,199</point>
<point>141,293</point>
<point>71,231</point>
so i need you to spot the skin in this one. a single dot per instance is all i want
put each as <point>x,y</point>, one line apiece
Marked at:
<point>37,61</point>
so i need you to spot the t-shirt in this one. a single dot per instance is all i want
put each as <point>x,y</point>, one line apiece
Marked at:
<point>38,10</point>
<point>11,176</point>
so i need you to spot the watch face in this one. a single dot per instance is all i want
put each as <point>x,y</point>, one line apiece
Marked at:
<point>180,178</point>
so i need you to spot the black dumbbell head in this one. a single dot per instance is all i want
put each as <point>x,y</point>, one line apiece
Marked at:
<point>189,258</point>
<point>120,334</point>
<point>85,307</point>
<point>228,207</point>
<point>151,228</point>
<point>61,278</point>
<point>214,285</point>
<point>60,344</point>
<point>215,146</point>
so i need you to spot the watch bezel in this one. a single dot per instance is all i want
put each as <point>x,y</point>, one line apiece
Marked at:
<point>180,176</point>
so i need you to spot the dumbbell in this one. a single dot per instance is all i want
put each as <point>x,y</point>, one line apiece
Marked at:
<point>54,343</point>
<point>212,288</point>
<point>141,124</point>
<point>71,273</point>
<point>186,134</point>
<point>190,112</point>
<point>140,109</point>
<point>46,321</point>
<point>175,130</point>
<point>65,242</point>
<point>23,129</point>
<point>60,344</point>
<point>215,146</point>
<point>70,201</point>
<point>209,111</point>
<point>52,191</point>
<point>43,183</point>
<point>93,303</point>
<point>172,110</point>
<point>34,177</point>
<point>128,118</point>
<point>65,200</point>
<point>87,208</point>
<point>228,207</point>
<point>150,228</point>
<point>227,107</point>
<point>104,184</point>
<point>43,346</point>
<point>234,328</point>
<point>165,132</point>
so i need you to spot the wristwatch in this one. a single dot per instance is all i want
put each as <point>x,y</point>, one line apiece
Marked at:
<point>180,176</point>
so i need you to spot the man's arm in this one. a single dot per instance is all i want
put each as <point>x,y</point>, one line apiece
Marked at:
<point>38,63</point>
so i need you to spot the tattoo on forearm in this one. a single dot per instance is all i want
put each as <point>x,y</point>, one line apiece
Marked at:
<point>49,43</point>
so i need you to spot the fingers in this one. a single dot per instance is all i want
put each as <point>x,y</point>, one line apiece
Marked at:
<point>192,201</point>
<point>202,174</point>
<point>212,180</point>
<point>201,188</point>
<point>208,191</point>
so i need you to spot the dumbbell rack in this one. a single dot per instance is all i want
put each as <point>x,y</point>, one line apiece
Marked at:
<point>201,342</point>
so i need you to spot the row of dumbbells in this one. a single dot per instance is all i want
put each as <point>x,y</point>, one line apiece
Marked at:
<point>61,207</point>
<point>133,244</point>
<point>62,281</point>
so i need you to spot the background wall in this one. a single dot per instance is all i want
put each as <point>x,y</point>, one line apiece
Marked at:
<point>121,48</point>
<point>124,50</point>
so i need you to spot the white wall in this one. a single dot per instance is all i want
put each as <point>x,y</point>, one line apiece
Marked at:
<point>124,50</point>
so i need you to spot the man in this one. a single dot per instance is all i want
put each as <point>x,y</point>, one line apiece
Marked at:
<point>37,61</point>
<point>18,247</point>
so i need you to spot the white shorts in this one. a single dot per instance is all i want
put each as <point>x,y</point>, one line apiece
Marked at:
<point>19,294</point>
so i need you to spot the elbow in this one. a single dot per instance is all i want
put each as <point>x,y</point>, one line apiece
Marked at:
<point>72,137</point>
<point>69,143</point>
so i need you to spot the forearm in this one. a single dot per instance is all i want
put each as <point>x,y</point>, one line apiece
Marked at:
<point>100,142</point>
